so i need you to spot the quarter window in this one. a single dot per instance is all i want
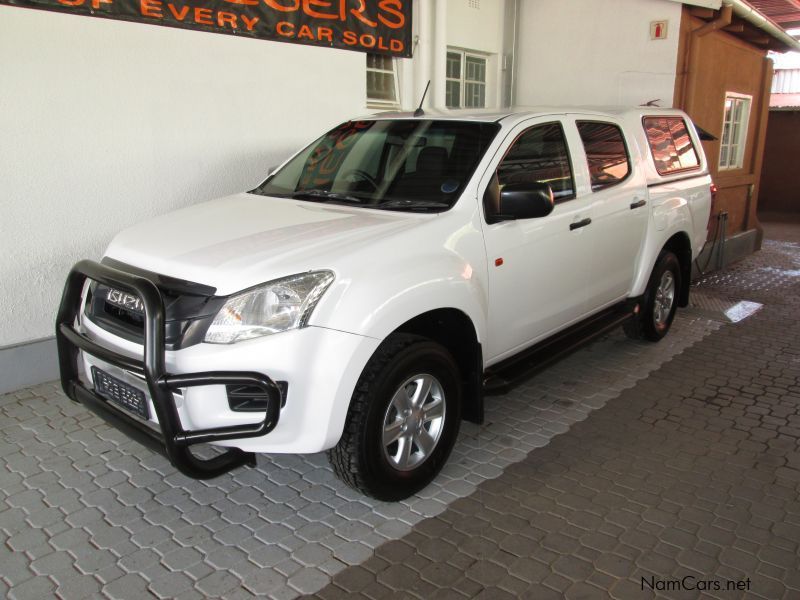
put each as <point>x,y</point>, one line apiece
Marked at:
<point>734,131</point>
<point>671,144</point>
<point>539,155</point>
<point>381,80</point>
<point>465,85</point>
<point>606,153</point>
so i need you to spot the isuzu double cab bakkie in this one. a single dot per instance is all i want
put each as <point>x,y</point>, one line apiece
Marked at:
<point>366,296</point>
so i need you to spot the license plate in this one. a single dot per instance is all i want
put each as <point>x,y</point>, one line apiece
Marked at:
<point>120,393</point>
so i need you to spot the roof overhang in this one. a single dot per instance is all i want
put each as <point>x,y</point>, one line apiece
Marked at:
<point>784,13</point>
<point>751,24</point>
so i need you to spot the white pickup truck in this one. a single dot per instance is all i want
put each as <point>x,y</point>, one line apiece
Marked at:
<point>366,296</point>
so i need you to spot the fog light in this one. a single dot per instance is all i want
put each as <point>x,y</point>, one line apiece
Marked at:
<point>252,398</point>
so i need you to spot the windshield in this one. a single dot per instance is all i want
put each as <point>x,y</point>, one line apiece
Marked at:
<point>420,165</point>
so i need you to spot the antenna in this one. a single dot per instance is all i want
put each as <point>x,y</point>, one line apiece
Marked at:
<point>419,112</point>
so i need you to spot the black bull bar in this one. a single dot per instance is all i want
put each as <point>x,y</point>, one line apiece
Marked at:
<point>173,441</point>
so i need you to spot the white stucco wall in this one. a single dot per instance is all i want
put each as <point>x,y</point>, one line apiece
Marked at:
<point>476,27</point>
<point>104,124</point>
<point>589,52</point>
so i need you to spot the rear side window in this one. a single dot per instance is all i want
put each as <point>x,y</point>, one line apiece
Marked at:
<point>606,152</point>
<point>671,145</point>
<point>539,155</point>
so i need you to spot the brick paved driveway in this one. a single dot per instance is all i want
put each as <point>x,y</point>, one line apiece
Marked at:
<point>627,460</point>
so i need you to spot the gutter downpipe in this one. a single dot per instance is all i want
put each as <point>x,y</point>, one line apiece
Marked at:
<point>512,88</point>
<point>723,20</point>
<point>751,15</point>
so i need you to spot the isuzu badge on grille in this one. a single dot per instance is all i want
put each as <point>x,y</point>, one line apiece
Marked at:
<point>125,300</point>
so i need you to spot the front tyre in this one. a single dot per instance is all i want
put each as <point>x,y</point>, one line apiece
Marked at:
<point>403,419</point>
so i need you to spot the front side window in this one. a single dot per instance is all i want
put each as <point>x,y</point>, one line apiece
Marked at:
<point>671,145</point>
<point>381,81</point>
<point>606,153</point>
<point>465,84</point>
<point>392,164</point>
<point>539,155</point>
<point>734,131</point>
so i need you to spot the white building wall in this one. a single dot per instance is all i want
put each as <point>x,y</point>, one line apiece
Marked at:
<point>588,52</point>
<point>104,124</point>
<point>475,25</point>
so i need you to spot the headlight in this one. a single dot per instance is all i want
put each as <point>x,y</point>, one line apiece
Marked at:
<point>275,306</point>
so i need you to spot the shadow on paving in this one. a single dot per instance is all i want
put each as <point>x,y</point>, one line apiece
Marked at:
<point>690,477</point>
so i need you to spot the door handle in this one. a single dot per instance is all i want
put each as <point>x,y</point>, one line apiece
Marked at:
<point>638,204</point>
<point>579,224</point>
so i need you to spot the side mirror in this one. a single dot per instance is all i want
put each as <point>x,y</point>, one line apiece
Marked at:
<point>525,201</point>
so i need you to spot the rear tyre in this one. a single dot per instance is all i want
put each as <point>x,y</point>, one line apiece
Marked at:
<point>403,419</point>
<point>660,300</point>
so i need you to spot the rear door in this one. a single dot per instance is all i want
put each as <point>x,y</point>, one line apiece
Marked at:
<point>619,208</point>
<point>537,267</point>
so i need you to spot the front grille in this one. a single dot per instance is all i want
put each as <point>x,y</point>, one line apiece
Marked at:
<point>130,317</point>
<point>189,309</point>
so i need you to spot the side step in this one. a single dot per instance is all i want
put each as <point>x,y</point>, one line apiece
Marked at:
<point>502,377</point>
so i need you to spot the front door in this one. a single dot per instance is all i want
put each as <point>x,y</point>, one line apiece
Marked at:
<point>537,267</point>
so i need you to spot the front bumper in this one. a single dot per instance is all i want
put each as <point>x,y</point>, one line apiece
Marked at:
<point>171,439</point>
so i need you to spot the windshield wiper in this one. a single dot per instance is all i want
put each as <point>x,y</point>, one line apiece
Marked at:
<point>318,195</point>
<point>419,205</point>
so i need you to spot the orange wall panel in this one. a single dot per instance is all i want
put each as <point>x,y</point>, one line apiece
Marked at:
<point>708,68</point>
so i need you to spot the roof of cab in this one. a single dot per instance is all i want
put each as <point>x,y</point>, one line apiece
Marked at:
<point>520,112</point>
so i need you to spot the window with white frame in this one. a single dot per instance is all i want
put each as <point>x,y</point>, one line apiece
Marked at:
<point>381,81</point>
<point>466,80</point>
<point>734,130</point>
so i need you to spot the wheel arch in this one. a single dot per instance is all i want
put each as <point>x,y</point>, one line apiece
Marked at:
<point>680,245</point>
<point>454,330</point>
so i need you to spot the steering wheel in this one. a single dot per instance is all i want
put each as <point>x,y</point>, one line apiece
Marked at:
<point>356,175</point>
